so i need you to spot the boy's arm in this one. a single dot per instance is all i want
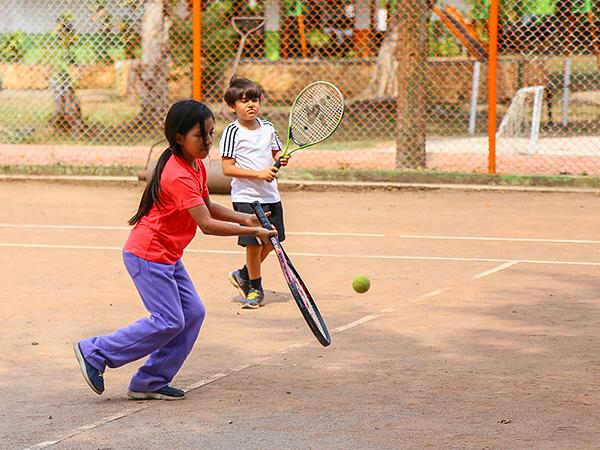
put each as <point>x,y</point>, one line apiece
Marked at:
<point>231,170</point>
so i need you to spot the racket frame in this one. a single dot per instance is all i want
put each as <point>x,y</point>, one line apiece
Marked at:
<point>286,151</point>
<point>295,283</point>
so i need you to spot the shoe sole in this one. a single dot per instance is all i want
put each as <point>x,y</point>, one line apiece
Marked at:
<point>151,396</point>
<point>81,361</point>
<point>250,306</point>
<point>235,284</point>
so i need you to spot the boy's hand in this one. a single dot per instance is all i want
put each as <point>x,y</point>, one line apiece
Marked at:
<point>283,160</point>
<point>268,174</point>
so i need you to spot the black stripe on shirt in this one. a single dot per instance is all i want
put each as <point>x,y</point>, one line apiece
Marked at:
<point>229,138</point>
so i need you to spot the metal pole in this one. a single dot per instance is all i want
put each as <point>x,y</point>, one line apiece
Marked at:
<point>197,50</point>
<point>566,92</point>
<point>492,88</point>
<point>474,97</point>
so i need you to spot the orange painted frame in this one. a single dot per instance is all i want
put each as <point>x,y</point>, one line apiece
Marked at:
<point>492,87</point>
<point>197,50</point>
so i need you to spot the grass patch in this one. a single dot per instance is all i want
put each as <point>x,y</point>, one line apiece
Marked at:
<point>60,169</point>
<point>406,176</point>
<point>386,176</point>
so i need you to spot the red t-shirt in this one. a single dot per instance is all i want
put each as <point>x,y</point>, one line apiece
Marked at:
<point>163,233</point>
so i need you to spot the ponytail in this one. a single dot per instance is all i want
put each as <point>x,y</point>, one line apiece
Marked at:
<point>151,194</point>
<point>181,118</point>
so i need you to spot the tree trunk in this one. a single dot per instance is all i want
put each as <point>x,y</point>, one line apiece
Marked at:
<point>156,61</point>
<point>383,81</point>
<point>411,57</point>
<point>67,108</point>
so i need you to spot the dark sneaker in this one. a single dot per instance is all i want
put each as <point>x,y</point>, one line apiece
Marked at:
<point>255,295</point>
<point>93,377</point>
<point>241,284</point>
<point>166,393</point>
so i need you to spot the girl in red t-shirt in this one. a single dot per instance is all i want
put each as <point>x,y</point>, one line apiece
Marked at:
<point>174,204</point>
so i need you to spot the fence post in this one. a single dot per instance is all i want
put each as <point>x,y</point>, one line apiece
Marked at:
<point>492,87</point>
<point>197,50</point>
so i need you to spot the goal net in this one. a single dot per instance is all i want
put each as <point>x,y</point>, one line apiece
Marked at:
<point>519,129</point>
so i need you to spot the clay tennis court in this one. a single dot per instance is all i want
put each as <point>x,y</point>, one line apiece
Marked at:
<point>480,329</point>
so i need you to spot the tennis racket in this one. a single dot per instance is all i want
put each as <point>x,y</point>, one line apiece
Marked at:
<point>303,299</point>
<point>315,115</point>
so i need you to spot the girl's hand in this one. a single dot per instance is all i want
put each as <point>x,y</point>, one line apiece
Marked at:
<point>252,221</point>
<point>268,174</point>
<point>263,234</point>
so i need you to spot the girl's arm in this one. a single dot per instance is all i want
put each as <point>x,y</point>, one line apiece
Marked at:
<point>209,225</point>
<point>231,170</point>
<point>220,212</point>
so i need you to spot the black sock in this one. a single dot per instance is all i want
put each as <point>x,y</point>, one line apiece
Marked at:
<point>244,273</point>
<point>256,284</point>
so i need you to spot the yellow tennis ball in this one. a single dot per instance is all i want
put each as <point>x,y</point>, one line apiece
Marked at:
<point>361,284</point>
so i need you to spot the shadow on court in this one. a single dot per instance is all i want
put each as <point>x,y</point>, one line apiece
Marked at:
<point>429,357</point>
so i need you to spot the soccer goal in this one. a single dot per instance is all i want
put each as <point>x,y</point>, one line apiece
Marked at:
<point>520,126</point>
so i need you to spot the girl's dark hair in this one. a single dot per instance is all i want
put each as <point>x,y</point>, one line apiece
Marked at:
<point>239,88</point>
<point>181,118</point>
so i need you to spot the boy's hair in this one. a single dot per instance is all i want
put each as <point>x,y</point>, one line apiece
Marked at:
<point>239,88</point>
<point>181,118</point>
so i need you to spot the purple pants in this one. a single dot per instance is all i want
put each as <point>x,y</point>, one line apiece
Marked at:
<point>168,335</point>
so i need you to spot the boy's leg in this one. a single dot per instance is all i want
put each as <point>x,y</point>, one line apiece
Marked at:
<point>253,260</point>
<point>163,364</point>
<point>157,287</point>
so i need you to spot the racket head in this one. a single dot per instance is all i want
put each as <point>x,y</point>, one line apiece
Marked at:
<point>315,114</point>
<point>305,302</point>
<point>299,291</point>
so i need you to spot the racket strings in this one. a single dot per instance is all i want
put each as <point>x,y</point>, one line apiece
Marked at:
<point>316,114</point>
<point>306,300</point>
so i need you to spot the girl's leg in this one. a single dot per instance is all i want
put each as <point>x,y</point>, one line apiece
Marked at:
<point>164,363</point>
<point>159,291</point>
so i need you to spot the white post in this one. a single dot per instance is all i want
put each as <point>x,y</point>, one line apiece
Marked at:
<point>536,118</point>
<point>566,92</point>
<point>362,17</point>
<point>474,96</point>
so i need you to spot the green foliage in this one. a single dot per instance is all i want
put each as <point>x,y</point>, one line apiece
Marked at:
<point>441,41</point>
<point>12,46</point>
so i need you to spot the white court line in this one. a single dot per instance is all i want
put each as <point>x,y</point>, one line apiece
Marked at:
<point>495,269</point>
<point>504,239</point>
<point>355,323</point>
<point>323,233</point>
<point>432,294</point>
<point>63,227</point>
<point>322,255</point>
<point>124,228</point>
<point>196,385</point>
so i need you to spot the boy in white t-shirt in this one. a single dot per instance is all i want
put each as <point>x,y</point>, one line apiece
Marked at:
<point>249,146</point>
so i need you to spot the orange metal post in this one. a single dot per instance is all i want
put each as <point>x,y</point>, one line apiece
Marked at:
<point>492,94</point>
<point>303,43</point>
<point>197,50</point>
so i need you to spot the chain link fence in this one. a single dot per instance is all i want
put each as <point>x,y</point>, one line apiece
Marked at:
<point>95,78</point>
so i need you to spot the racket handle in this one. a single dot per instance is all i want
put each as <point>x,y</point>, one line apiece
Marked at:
<point>277,163</point>
<point>260,213</point>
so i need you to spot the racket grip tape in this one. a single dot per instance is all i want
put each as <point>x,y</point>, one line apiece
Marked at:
<point>277,163</point>
<point>260,213</point>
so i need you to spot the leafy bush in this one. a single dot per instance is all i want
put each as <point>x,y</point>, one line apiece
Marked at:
<point>11,46</point>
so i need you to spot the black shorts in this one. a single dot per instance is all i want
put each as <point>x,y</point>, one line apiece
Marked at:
<point>276,219</point>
